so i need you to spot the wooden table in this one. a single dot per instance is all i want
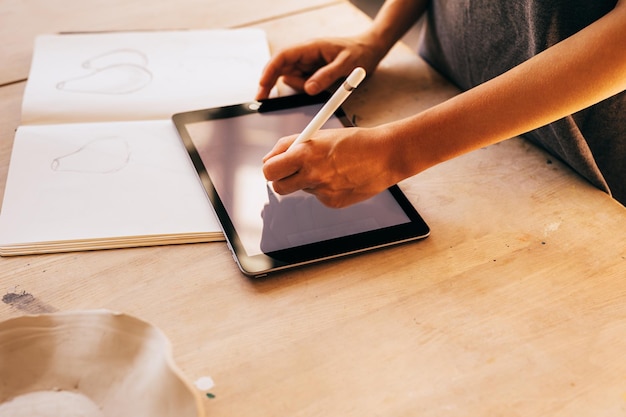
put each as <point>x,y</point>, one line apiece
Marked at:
<point>515,306</point>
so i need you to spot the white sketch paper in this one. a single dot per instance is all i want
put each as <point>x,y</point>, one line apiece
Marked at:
<point>97,161</point>
<point>150,75</point>
<point>136,180</point>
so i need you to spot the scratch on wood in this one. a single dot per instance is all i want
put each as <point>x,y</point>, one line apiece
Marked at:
<point>25,301</point>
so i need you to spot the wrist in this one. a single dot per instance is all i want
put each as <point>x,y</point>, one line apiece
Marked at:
<point>376,42</point>
<point>410,146</point>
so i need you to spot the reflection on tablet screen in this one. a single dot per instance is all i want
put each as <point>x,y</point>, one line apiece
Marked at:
<point>232,149</point>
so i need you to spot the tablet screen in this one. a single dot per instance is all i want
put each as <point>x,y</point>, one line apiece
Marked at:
<point>265,221</point>
<point>227,148</point>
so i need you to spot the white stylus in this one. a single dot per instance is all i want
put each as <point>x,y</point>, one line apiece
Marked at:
<point>354,79</point>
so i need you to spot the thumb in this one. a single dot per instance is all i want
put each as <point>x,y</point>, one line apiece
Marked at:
<point>326,76</point>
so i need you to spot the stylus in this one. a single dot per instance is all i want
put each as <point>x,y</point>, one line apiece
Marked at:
<point>354,79</point>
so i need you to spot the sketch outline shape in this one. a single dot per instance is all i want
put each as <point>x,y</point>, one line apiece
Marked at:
<point>105,155</point>
<point>112,73</point>
<point>117,56</point>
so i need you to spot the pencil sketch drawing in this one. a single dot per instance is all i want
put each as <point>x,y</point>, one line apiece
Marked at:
<point>120,71</point>
<point>100,156</point>
<point>116,57</point>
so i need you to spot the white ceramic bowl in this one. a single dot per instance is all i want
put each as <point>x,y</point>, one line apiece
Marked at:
<point>92,363</point>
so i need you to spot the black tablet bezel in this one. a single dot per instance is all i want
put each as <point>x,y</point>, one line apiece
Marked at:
<point>261,265</point>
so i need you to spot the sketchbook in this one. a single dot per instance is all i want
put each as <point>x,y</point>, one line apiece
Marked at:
<point>97,162</point>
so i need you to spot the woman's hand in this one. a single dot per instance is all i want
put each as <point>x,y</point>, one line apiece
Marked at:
<point>339,166</point>
<point>314,66</point>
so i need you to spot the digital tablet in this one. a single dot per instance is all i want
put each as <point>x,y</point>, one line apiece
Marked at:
<point>267,232</point>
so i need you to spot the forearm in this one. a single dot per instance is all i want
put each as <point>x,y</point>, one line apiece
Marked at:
<point>580,71</point>
<point>393,20</point>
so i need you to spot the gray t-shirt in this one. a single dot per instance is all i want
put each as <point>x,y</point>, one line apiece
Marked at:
<point>472,41</point>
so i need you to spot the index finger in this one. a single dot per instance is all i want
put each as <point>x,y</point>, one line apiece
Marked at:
<point>281,146</point>
<point>268,79</point>
<point>283,63</point>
